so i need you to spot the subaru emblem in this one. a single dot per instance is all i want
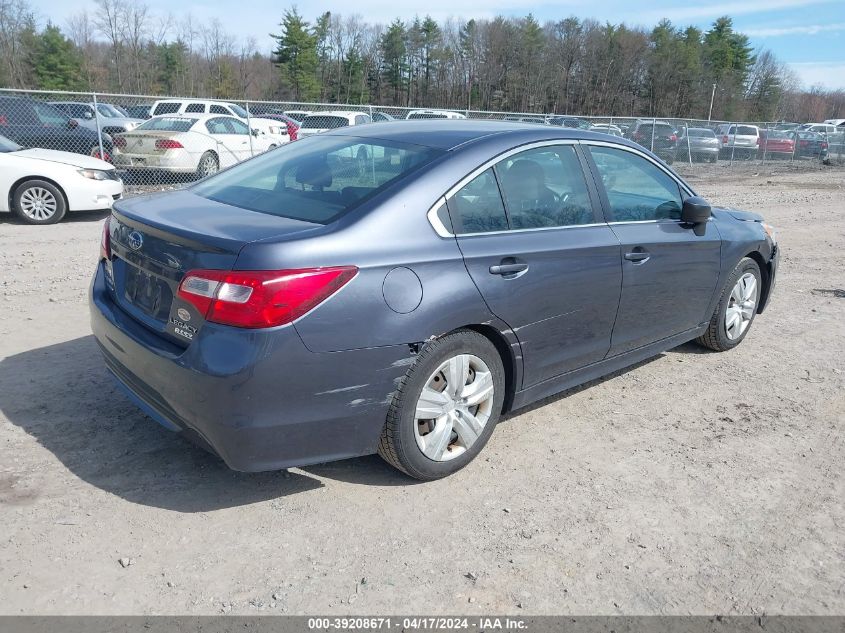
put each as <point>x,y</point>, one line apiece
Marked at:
<point>183,314</point>
<point>135,240</point>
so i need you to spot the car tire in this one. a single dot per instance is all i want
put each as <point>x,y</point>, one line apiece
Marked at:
<point>428,449</point>
<point>39,202</point>
<point>738,301</point>
<point>208,165</point>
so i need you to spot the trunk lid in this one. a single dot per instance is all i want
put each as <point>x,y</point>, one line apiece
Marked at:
<point>157,239</point>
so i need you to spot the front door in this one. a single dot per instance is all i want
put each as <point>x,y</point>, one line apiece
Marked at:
<point>669,269</point>
<point>542,257</point>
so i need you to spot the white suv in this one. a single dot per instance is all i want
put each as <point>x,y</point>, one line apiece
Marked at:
<point>276,130</point>
<point>738,141</point>
<point>434,114</point>
<point>318,122</point>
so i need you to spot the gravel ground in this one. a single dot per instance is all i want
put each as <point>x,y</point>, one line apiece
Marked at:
<point>692,483</point>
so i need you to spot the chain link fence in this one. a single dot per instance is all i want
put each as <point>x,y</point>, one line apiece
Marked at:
<point>163,142</point>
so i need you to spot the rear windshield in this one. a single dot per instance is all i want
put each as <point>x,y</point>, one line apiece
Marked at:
<point>660,128</point>
<point>778,134</point>
<point>701,132</point>
<point>324,122</point>
<point>427,115</point>
<point>317,179</point>
<point>168,124</point>
<point>743,130</point>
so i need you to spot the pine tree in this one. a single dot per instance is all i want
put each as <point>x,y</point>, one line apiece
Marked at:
<point>296,56</point>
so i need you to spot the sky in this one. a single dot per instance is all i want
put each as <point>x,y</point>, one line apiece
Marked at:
<point>809,35</point>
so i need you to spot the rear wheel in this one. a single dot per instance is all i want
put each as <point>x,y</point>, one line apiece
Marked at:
<point>445,408</point>
<point>39,202</point>
<point>208,165</point>
<point>736,310</point>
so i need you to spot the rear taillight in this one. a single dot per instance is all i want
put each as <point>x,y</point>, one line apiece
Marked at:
<point>292,130</point>
<point>637,136</point>
<point>803,143</point>
<point>261,298</point>
<point>673,138</point>
<point>168,143</point>
<point>120,142</point>
<point>105,241</point>
<point>725,139</point>
<point>824,145</point>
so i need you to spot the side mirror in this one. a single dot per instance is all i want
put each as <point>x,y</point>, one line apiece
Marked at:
<point>88,115</point>
<point>72,124</point>
<point>695,210</point>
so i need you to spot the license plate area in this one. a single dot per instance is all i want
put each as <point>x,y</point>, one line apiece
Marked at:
<point>147,292</point>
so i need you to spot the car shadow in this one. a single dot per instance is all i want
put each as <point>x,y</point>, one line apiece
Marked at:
<point>70,217</point>
<point>63,396</point>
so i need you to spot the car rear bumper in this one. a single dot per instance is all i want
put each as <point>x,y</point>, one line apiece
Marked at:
<point>257,398</point>
<point>183,163</point>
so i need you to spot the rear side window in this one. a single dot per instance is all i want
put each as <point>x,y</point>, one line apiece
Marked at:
<point>316,180</point>
<point>477,206</point>
<point>637,189</point>
<point>195,108</point>
<point>166,108</point>
<point>49,116</point>
<point>545,187</point>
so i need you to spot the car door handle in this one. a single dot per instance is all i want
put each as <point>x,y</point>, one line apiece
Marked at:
<point>509,268</point>
<point>638,256</point>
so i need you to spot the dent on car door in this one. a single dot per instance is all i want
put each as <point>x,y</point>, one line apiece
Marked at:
<point>669,270</point>
<point>543,259</point>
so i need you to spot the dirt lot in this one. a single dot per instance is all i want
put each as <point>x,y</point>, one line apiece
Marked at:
<point>693,483</point>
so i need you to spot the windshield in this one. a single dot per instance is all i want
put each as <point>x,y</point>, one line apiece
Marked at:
<point>238,110</point>
<point>108,111</point>
<point>319,122</point>
<point>8,146</point>
<point>168,124</point>
<point>318,179</point>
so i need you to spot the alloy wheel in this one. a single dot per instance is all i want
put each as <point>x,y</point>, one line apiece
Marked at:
<point>454,407</point>
<point>741,306</point>
<point>38,203</point>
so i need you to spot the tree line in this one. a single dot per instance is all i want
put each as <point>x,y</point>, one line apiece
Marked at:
<point>572,65</point>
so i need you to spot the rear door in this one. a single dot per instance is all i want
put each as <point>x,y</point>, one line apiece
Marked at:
<point>669,270</point>
<point>537,248</point>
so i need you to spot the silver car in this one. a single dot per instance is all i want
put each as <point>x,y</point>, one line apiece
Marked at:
<point>738,141</point>
<point>111,121</point>
<point>698,143</point>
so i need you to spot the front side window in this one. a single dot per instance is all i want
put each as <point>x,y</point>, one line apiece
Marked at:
<point>238,126</point>
<point>218,109</point>
<point>477,206</point>
<point>545,187</point>
<point>316,180</point>
<point>219,126</point>
<point>637,189</point>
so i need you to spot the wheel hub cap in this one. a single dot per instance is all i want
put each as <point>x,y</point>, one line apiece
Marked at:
<point>38,203</point>
<point>742,305</point>
<point>454,407</point>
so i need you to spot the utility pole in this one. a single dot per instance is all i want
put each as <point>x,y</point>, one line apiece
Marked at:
<point>712,96</point>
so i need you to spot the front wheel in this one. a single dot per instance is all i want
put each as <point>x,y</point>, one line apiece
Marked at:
<point>446,406</point>
<point>736,310</point>
<point>38,202</point>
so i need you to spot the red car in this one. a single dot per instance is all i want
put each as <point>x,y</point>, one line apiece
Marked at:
<point>293,126</point>
<point>775,142</point>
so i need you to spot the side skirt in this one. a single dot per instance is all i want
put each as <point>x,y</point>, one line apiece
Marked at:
<point>601,368</point>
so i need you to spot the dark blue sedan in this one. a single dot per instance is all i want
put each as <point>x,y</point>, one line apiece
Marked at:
<point>395,288</point>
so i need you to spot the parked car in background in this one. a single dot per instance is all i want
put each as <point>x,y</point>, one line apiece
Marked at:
<point>573,122</point>
<point>110,120</point>
<point>538,120</point>
<point>141,111</point>
<point>822,128</point>
<point>737,141</point>
<point>786,126</point>
<point>278,133</point>
<point>31,123</point>
<point>320,122</point>
<point>434,114</point>
<point>775,144</point>
<point>811,145</point>
<point>836,122</point>
<point>312,315</point>
<point>606,128</point>
<point>198,144</point>
<point>699,143</point>
<point>381,117</point>
<point>658,136</point>
<point>41,185</point>
<point>292,124</point>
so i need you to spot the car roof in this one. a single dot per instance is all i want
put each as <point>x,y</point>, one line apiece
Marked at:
<point>449,134</point>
